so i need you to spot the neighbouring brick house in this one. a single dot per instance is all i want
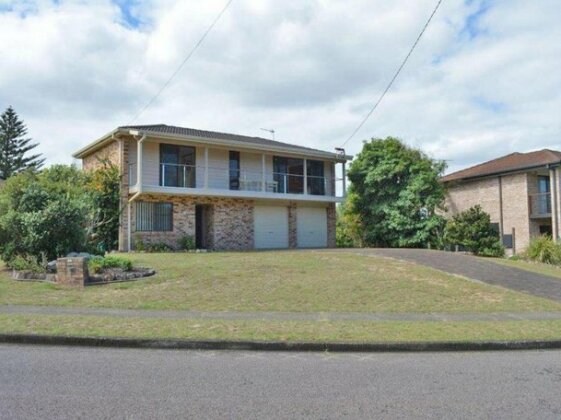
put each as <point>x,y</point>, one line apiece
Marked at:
<point>520,191</point>
<point>226,191</point>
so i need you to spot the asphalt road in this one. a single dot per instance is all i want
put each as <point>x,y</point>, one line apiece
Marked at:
<point>66,382</point>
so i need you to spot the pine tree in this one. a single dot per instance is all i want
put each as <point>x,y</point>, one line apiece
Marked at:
<point>14,146</point>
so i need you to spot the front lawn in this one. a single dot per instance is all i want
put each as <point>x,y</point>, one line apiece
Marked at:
<point>534,267</point>
<point>318,331</point>
<point>315,281</point>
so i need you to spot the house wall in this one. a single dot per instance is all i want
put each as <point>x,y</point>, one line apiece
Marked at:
<point>116,152</point>
<point>218,163</point>
<point>486,193</point>
<point>230,222</point>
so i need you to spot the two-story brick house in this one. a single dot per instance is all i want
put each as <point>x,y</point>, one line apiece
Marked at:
<point>520,191</point>
<point>227,191</point>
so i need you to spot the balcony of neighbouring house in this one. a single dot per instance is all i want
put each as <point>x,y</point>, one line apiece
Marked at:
<point>540,205</point>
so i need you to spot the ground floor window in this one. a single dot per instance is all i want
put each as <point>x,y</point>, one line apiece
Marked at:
<point>154,216</point>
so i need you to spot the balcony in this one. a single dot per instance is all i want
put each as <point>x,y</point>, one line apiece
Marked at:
<point>201,180</point>
<point>540,205</point>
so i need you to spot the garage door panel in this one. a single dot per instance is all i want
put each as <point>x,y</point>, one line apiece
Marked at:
<point>270,227</point>
<point>312,227</point>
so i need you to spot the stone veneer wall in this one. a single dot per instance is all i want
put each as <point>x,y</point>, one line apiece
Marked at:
<point>229,222</point>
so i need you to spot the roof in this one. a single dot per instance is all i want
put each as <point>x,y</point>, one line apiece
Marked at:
<point>210,136</point>
<point>509,163</point>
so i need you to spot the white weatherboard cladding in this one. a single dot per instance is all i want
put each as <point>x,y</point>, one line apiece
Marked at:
<point>311,227</point>
<point>271,227</point>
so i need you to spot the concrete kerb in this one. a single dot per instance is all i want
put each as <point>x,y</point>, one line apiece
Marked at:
<point>372,347</point>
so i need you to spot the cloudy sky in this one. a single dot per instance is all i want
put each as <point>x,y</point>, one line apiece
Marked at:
<point>484,81</point>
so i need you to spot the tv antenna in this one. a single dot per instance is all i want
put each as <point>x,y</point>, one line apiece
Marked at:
<point>270,131</point>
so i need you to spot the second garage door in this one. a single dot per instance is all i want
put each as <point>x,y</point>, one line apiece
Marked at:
<point>312,227</point>
<point>271,227</point>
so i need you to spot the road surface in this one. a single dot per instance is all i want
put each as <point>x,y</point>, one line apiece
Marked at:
<point>71,382</point>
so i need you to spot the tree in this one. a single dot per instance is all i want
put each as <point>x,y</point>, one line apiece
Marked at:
<point>42,214</point>
<point>14,146</point>
<point>473,230</point>
<point>395,194</point>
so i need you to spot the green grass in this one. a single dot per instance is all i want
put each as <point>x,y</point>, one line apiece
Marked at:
<point>318,331</point>
<point>282,281</point>
<point>540,268</point>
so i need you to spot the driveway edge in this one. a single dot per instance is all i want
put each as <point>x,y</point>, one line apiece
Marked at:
<point>431,346</point>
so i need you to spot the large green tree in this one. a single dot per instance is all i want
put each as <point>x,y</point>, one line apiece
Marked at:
<point>15,146</point>
<point>395,195</point>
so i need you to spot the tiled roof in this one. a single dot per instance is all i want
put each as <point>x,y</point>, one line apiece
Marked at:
<point>508,163</point>
<point>183,131</point>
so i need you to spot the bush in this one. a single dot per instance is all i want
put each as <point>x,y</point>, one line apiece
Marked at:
<point>187,243</point>
<point>98,264</point>
<point>35,221</point>
<point>158,247</point>
<point>544,250</point>
<point>139,244</point>
<point>26,263</point>
<point>473,230</point>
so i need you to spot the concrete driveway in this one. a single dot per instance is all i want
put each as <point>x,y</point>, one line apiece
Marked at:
<point>475,268</point>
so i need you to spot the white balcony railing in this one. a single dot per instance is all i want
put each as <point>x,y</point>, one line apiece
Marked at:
<point>192,176</point>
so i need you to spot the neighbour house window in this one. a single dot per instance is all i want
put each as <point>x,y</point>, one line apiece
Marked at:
<point>543,198</point>
<point>315,175</point>
<point>288,174</point>
<point>234,170</point>
<point>154,217</point>
<point>177,166</point>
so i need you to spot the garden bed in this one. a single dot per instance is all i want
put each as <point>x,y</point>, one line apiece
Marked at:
<point>114,275</point>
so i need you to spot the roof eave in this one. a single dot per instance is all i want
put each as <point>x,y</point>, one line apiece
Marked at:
<point>97,144</point>
<point>498,173</point>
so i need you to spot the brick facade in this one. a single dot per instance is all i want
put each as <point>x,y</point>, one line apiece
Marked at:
<point>513,190</point>
<point>331,225</point>
<point>292,225</point>
<point>72,271</point>
<point>229,222</point>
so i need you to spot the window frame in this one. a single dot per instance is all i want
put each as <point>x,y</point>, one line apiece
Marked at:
<point>153,210</point>
<point>234,173</point>
<point>181,152</point>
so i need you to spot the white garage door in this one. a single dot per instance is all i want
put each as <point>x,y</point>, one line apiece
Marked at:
<point>312,227</point>
<point>271,227</point>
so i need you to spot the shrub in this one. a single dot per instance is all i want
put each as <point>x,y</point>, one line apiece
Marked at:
<point>158,247</point>
<point>139,244</point>
<point>102,189</point>
<point>26,263</point>
<point>43,213</point>
<point>98,264</point>
<point>544,250</point>
<point>473,230</point>
<point>187,243</point>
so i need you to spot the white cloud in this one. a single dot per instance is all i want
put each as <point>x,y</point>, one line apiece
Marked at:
<point>484,80</point>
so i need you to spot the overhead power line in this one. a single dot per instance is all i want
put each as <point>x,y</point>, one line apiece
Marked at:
<point>395,75</point>
<point>197,45</point>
